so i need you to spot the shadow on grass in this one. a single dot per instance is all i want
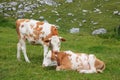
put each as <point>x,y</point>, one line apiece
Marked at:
<point>50,68</point>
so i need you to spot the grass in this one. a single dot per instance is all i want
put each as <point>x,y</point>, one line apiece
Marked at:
<point>106,46</point>
<point>10,69</point>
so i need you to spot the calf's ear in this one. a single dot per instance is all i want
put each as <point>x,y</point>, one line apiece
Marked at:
<point>55,52</point>
<point>47,40</point>
<point>62,39</point>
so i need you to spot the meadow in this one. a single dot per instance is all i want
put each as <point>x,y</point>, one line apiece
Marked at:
<point>107,50</point>
<point>106,47</point>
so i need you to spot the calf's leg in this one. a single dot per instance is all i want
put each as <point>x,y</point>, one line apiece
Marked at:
<point>22,46</point>
<point>18,51</point>
<point>45,53</point>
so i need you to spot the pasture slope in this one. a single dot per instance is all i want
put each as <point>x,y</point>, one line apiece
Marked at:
<point>87,15</point>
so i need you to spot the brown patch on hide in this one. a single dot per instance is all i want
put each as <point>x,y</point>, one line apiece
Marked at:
<point>37,32</point>
<point>54,56</point>
<point>63,60</point>
<point>39,23</point>
<point>30,35</point>
<point>99,65</point>
<point>18,23</point>
<point>54,32</point>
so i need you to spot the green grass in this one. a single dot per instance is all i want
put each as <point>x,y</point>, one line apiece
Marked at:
<point>11,69</point>
<point>106,47</point>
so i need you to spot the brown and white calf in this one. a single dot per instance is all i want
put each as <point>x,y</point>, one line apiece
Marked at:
<point>37,32</point>
<point>81,62</point>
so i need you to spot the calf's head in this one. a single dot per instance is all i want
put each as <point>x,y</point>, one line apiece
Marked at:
<point>50,59</point>
<point>55,42</point>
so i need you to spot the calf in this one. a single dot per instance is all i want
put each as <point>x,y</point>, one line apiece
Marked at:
<point>37,32</point>
<point>81,62</point>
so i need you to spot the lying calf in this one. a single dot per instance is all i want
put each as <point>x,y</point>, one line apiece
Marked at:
<point>69,60</point>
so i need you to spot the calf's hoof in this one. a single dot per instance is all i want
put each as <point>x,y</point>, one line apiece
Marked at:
<point>28,61</point>
<point>57,68</point>
<point>43,65</point>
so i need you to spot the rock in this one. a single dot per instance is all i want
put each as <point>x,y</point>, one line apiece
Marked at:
<point>20,6</point>
<point>48,2</point>
<point>97,11</point>
<point>13,3</point>
<point>41,17</point>
<point>57,20</point>
<point>85,11</point>
<point>9,9</point>
<point>80,24</point>
<point>1,6</point>
<point>27,8</point>
<point>6,15</point>
<point>13,8</point>
<point>99,31</point>
<point>94,23</point>
<point>34,6</point>
<point>119,13</point>
<point>115,12</point>
<point>69,1</point>
<point>84,21</point>
<point>74,30</point>
<point>70,14</point>
<point>20,14</point>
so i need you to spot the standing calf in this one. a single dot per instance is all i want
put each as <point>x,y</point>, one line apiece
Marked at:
<point>69,60</point>
<point>37,32</point>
